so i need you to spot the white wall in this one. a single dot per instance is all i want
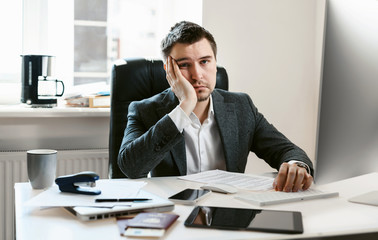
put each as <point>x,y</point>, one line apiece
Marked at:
<point>272,50</point>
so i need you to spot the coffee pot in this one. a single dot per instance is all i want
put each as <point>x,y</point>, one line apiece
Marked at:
<point>39,88</point>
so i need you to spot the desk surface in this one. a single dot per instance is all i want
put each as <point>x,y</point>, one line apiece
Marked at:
<point>321,217</point>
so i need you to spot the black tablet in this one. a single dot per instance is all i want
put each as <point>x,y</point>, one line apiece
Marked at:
<point>245,219</point>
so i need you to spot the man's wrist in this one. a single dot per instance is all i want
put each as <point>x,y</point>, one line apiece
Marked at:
<point>301,164</point>
<point>187,106</point>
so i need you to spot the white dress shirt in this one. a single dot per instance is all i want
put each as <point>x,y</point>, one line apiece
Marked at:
<point>203,145</point>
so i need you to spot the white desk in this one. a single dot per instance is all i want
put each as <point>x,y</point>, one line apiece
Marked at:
<point>322,217</point>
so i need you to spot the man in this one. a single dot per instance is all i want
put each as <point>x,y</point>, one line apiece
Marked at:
<point>193,127</point>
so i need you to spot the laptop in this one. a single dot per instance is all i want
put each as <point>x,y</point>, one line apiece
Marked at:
<point>369,198</point>
<point>156,204</point>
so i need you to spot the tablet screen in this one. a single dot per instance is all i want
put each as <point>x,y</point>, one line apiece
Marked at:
<point>246,219</point>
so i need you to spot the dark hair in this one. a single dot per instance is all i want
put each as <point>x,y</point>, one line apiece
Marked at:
<point>187,33</point>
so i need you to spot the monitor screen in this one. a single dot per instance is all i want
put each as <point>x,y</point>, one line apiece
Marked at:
<point>347,143</point>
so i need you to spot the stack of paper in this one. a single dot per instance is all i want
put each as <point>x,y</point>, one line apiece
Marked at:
<point>239,180</point>
<point>53,197</point>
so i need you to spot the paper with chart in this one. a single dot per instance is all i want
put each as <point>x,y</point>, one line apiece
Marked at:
<point>239,180</point>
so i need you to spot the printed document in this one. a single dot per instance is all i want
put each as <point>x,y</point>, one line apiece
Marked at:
<point>238,180</point>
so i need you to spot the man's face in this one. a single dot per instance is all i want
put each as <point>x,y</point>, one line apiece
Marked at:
<point>197,64</point>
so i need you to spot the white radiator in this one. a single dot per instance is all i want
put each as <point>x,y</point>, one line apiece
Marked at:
<point>13,169</point>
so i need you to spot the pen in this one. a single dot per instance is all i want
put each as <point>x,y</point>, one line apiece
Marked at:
<point>122,199</point>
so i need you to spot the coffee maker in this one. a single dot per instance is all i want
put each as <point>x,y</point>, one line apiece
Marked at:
<point>39,88</point>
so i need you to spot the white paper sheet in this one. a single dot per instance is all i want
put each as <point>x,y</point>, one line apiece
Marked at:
<point>53,197</point>
<point>239,180</point>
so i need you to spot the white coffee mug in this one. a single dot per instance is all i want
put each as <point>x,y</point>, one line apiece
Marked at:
<point>41,164</point>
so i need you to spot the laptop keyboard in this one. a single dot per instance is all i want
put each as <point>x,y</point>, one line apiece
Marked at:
<point>269,198</point>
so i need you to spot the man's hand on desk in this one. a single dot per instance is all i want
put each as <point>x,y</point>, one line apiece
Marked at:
<point>292,178</point>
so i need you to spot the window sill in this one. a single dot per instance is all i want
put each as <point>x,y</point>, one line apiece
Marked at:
<point>25,111</point>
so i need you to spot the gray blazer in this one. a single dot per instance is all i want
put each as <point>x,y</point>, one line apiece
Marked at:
<point>152,143</point>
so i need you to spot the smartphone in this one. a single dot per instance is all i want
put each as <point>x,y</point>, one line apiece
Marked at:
<point>189,196</point>
<point>245,219</point>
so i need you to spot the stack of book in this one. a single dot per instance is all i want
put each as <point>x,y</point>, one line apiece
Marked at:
<point>97,100</point>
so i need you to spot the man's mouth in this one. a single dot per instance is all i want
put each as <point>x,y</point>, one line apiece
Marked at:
<point>199,87</point>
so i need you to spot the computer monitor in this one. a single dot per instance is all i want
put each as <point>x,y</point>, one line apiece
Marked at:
<point>347,141</point>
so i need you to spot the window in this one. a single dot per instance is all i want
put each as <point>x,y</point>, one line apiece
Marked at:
<point>85,36</point>
<point>10,49</point>
<point>91,41</point>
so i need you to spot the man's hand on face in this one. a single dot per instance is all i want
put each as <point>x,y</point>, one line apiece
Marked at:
<point>292,178</point>
<point>182,88</point>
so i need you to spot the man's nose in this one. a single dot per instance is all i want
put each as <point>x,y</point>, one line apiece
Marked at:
<point>196,72</point>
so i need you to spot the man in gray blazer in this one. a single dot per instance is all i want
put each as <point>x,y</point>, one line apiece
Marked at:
<point>193,127</point>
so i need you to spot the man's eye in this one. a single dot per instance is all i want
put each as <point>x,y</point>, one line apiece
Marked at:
<point>183,65</point>
<point>204,61</point>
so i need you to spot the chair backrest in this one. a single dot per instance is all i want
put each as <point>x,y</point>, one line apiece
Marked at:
<point>133,80</point>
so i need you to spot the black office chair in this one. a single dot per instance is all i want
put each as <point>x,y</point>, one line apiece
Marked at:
<point>133,80</point>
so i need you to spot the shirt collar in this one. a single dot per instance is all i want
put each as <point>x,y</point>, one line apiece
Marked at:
<point>211,108</point>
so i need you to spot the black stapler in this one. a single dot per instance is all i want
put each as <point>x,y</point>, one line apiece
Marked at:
<point>74,183</point>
